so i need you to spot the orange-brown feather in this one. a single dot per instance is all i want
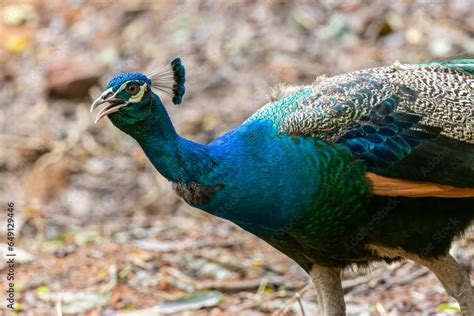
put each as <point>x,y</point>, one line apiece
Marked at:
<point>399,187</point>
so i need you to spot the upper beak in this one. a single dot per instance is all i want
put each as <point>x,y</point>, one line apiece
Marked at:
<point>114,104</point>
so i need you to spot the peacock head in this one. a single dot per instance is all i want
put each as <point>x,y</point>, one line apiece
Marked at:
<point>128,96</point>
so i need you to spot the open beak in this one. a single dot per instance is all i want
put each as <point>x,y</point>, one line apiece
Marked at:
<point>114,104</point>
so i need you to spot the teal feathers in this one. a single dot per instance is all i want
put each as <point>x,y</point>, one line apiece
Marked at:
<point>466,65</point>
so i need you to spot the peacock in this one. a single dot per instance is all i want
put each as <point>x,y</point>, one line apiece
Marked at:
<point>372,165</point>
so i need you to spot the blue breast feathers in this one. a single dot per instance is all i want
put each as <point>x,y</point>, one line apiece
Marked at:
<point>270,180</point>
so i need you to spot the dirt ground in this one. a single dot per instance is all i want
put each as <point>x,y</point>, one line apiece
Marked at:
<point>99,232</point>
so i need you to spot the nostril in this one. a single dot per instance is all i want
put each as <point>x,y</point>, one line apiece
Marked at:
<point>107,95</point>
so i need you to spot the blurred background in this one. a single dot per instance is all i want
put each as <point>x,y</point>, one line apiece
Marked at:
<point>99,231</point>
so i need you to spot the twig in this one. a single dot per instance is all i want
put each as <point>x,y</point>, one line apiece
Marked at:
<point>59,305</point>
<point>409,278</point>
<point>301,306</point>
<point>222,261</point>
<point>262,286</point>
<point>247,285</point>
<point>376,275</point>
<point>152,245</point>
<point>382,311</point>
<point>233,263</point>
<point>295,298</point>
<point>180,276</point>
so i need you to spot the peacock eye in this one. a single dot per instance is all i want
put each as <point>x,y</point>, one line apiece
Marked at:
<point>132,88</point>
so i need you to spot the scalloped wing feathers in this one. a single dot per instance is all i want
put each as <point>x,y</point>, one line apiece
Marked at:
<point>442,96</point>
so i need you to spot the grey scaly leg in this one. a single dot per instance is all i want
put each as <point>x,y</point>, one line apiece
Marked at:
<point>455,280</point>
<point>319,295</point>
<point>327,282</point>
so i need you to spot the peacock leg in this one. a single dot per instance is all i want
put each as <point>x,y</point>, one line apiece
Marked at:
<point>327,282</point>
<point>455,280</point>
<point>319,295</point>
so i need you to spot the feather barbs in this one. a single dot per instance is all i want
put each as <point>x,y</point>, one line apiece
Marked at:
<point>170,80</point>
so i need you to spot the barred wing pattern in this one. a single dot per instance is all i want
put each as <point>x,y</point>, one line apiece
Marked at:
<point>439,96</point>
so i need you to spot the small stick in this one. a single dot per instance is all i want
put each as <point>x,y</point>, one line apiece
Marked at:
<point>246,285</point>
<point>59,305</point>
<point>295,298</point>
<point>301,306</point>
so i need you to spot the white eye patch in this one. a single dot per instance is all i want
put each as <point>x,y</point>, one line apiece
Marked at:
<point>139,96</point>
<point>134,98</point>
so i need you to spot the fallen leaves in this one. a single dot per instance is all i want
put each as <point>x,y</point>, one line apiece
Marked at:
<point>191,302</point>
<point>45,183</point>
<point>75,302</point>
<point>106,224</point>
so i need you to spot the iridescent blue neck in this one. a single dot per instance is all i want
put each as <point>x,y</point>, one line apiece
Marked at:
<point>176,158</point>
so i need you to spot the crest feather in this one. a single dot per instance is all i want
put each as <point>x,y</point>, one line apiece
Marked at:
<point>170,80</point>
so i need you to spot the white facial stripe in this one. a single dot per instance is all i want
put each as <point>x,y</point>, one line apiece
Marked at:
<point>139,96</point>
<point>121,88</point>
<point>135,98</point>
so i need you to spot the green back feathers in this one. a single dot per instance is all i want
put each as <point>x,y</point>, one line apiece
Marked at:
<point>466,65</point>
<point>277,111</point>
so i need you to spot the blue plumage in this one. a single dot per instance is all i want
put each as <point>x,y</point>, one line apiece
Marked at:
<point>309,171</point>
<point>246,161</point>
<point>120,79</point>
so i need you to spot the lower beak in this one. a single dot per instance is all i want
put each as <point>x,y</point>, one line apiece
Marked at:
<point>114,104</point>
